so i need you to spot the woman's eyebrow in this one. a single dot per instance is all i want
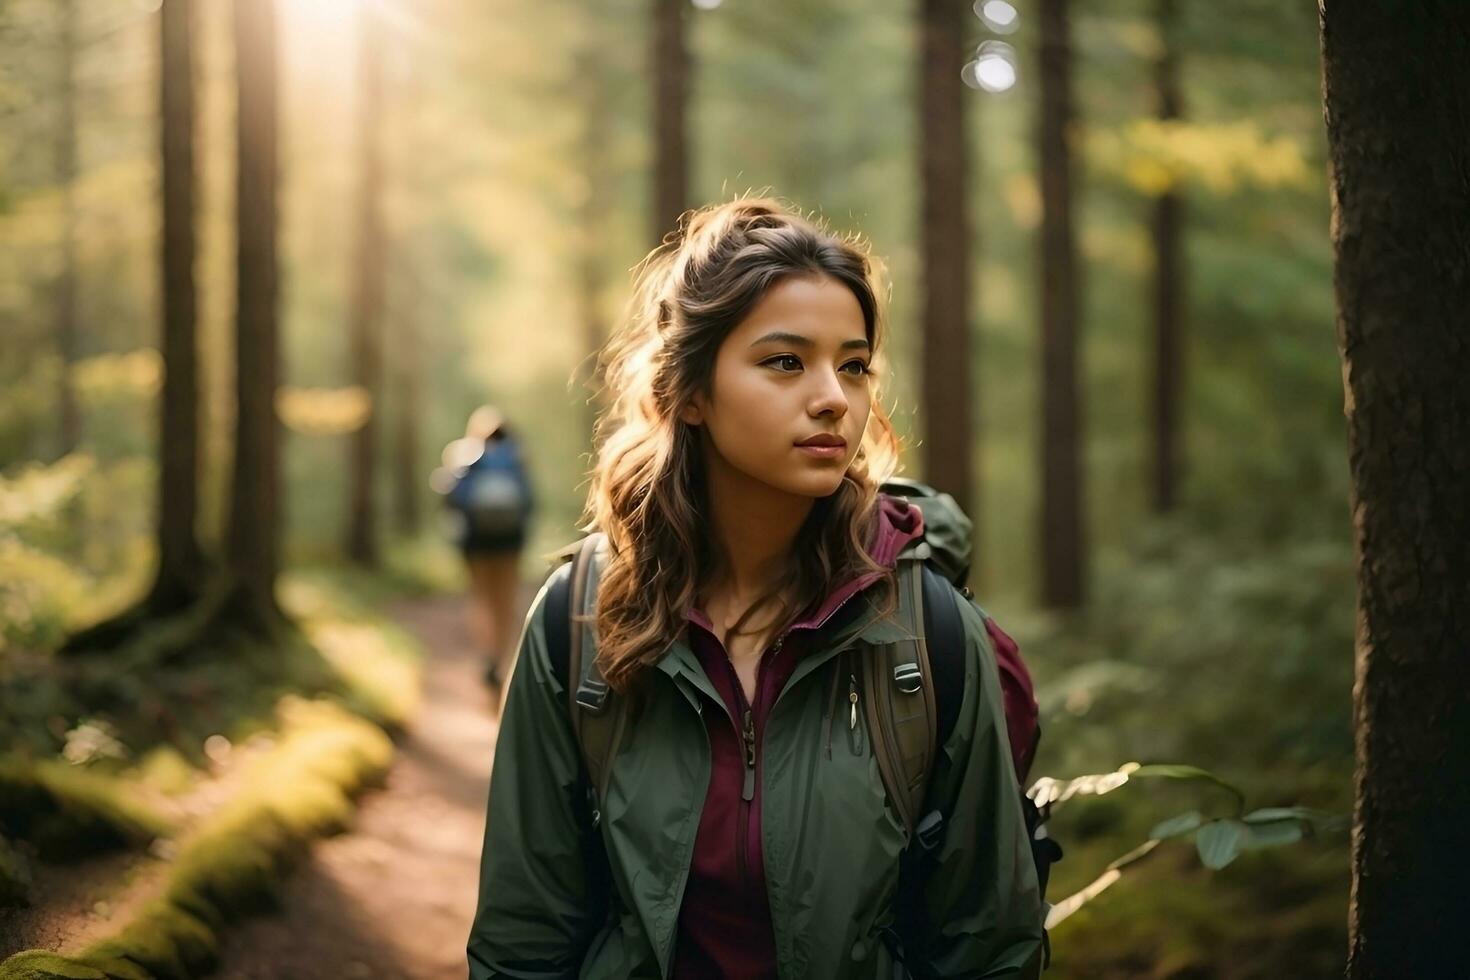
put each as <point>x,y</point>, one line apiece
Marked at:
<point>797,340</point>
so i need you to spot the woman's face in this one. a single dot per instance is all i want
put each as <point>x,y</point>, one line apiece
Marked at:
<point>794,370</point>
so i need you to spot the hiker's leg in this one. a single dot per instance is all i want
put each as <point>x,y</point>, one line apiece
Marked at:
<point>504,592</point>
<point>479,604</point>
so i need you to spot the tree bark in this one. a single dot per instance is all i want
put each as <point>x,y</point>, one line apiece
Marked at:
<point>407,372</point>
<point>367,296</point>
<point>1396,82</point>
<point>670,54</point>
<point>69,434</point>
<point>1063,546</point>
<point>945,254</point>
<point>1168,299</point>
<point>253,547</point>
<point>592,219</point>
<point>180,562</point>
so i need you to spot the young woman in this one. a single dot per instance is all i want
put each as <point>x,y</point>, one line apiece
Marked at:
<point>744,829</point>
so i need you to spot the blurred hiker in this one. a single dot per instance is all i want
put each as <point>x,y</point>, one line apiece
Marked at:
<point>490,503</point>
<point>728,749</point>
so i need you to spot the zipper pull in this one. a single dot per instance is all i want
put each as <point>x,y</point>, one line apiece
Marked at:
<point>748,737</point>
<point>852,698</point>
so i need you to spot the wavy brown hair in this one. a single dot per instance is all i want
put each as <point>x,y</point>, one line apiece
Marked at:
<point>648,492</point>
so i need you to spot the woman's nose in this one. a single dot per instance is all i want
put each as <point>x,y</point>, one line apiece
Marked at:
<point>829,398</point>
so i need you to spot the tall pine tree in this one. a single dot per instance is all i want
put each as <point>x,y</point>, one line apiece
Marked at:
<point>253,547</point>
<point>945,256</point>
<point>367,295</point>
<point>1168,298</point>
<point>180,562</point>
<point>67,340</point>
<point>1062,537</point>
<point>670,74</point>
<point>1396,78</point>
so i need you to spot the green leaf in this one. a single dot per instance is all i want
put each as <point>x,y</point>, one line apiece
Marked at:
<point>1271,814</point>
<point>1273,834</point>
<point>1219,842</point>
<point>1175,826</point>
<point>1189,773</point>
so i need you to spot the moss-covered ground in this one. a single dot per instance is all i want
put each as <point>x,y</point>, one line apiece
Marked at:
<point>338,681</point>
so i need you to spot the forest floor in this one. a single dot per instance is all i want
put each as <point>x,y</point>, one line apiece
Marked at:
<point>394,897</point>
<point>391,898</point>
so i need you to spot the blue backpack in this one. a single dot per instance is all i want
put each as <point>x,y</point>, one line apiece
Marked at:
<point>493,493</point>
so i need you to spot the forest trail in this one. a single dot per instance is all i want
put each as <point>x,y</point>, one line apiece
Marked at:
<point>392,899</point>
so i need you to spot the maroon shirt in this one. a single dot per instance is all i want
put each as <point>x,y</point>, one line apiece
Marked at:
<point>725,921</point>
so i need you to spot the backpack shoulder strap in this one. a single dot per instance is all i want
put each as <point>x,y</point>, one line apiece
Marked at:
<point>901,709</point>
<point>945,641</point>
<point>596,713</point>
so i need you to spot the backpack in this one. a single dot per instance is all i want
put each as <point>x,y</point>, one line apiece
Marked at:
<point>492,493</point>
<point>924,678</point>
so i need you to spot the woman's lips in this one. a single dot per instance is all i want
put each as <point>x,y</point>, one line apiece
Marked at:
<point>824,452</point>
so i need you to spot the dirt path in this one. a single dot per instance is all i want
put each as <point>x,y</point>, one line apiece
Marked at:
<point>393,898</point>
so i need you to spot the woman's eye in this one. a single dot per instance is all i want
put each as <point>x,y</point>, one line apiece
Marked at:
<point>785,362</point>
<point>862,367</point>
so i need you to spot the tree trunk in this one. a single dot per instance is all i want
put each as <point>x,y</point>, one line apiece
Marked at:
<point>1063,546</point>
<point>367,296</point>
<point>180,562</point>
<point>670,109</point>
<point>1168,305</point>
<point>66,177</point>
<point>407,372</point>
<point>1397,88</point>
<point>945,253</point>
<point>255,493</point>
<point>592,218</point>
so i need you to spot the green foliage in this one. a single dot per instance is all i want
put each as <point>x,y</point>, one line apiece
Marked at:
<point>1156,157</point>
<point>297,792</point>
<point>377,663</point>
<point>1171,917</point>
<point>165,770</point>
<point>70,813</point>
<point>35,964</point>
<point>1233,653</point>
<point>68,553</point>
<point>234,865</point>
<point>1219,841</point>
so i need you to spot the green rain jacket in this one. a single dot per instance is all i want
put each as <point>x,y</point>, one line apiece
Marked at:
<point>831,842</point>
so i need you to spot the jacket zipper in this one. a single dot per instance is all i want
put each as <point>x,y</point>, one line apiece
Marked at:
<point>747,793</point>
<point>745,732</point>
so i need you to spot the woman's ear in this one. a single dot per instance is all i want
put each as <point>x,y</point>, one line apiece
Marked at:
<point>692,412</point>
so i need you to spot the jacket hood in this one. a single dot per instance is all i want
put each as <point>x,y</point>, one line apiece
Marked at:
<point>898,523</point>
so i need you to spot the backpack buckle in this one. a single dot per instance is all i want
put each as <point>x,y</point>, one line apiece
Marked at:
<point>908,678</point>
<point>918,549</point>
<point>592,694</point>
<point>930,830</point>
